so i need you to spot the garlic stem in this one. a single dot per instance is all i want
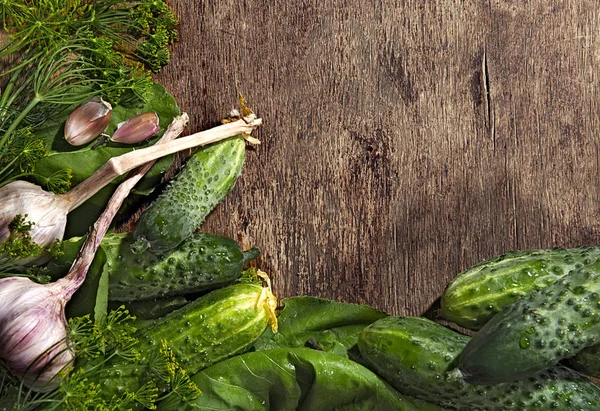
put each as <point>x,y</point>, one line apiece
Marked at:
<point>119,165</point>
<point>77,273</point>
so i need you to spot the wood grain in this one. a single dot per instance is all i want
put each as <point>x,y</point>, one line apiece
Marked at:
<point>403,141</point>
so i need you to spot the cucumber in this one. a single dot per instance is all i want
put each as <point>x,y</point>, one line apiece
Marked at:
<point>482,291</point>
<point>537,331</point>
<point>587,361</point>
<point>216,326</point>
<point>418,357</point>
<point>203,262</point>
<point>192,194</point>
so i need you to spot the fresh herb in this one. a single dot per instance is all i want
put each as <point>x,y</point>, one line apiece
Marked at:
<point>292,379</point>
<point>18,243</point>
<point>63,52</point>
<point>95,345</point>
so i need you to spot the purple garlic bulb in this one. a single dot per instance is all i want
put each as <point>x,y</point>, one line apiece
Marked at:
<point>33,332</point>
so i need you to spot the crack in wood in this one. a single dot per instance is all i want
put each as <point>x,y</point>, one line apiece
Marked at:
<point>486,88</point>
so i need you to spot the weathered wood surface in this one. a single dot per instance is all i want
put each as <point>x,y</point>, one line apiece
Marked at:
<point>403,141</point>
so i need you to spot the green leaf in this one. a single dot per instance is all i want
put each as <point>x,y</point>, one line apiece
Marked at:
<point>329,325</point>
<point>85,161</point>
<point>291,379</point>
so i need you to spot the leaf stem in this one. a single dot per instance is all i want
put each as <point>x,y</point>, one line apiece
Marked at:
<point>5,107</point>
<point>8,90</point>
<point>8,166</point>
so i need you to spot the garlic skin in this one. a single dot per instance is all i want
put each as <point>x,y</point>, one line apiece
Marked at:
<point>87,121</point>
<point>33,332</point>
<point>46,210</point>
<point>136,129</point>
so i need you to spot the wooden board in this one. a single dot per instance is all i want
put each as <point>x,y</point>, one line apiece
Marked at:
<point>403,141</point>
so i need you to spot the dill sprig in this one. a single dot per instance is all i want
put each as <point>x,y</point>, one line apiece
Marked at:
<point>18,244</point>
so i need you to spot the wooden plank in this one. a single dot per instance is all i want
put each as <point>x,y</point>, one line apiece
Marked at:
<point>403,141</point>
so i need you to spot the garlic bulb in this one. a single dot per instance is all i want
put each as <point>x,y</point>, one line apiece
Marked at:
<point>45,209</point>
<point>34,341</point>
<point>33,326</point>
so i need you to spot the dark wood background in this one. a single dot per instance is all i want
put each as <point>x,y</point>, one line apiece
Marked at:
<point>403,141</point>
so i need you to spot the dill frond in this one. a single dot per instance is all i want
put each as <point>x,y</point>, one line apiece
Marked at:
<point>64,53</point>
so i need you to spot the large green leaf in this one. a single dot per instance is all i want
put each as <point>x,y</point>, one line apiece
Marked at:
<point>291,379</point>
<point>329,325</point>
<point>83,162</point>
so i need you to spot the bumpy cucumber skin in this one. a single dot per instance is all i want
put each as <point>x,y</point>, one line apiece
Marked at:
<point>482,291</point>
<point>202,262</point>
<point>537,331</point>
<point>587,361</point>
<point>209,174</point>
<point>418,357</point>
<point>216,326</point>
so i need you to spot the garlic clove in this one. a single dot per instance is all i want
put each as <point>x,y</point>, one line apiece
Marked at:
<point>136,129</point>
<point>87,121</point>
<point>47,210</point>
<point>33,332</point>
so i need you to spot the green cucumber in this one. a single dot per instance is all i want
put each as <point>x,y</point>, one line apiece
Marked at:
<point>209,174</point>
<point>537,331</point>
<point>482,291</point>
<point>203,262</point>
<point>587,361</point>
<point>216,326</point>
<point>418,357</point>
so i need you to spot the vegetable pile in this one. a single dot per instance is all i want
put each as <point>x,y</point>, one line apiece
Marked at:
<point>168,317</point>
